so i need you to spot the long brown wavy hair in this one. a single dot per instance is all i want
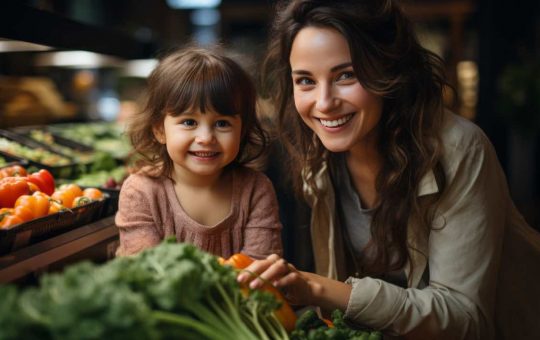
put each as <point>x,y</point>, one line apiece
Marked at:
<point>389,62</point>
<point>195,78</point>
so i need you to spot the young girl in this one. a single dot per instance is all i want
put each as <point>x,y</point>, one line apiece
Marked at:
<point>197,131</point>
<point>409,202</point>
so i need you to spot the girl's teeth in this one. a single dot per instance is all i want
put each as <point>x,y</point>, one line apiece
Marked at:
<point>205,154</point>
<point>336,122</point>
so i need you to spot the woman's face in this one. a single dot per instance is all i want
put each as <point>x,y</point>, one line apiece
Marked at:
<point>327,93</point>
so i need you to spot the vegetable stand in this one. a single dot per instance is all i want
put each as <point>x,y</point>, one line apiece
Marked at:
<point>96,241</point>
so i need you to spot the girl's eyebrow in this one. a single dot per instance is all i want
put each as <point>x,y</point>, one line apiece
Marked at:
<point>333,69</point>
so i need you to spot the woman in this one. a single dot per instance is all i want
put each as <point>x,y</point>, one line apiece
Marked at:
<point>408,201</point>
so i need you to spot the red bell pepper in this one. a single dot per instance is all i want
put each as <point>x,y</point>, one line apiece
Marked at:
<point>44,180</point>
<point>13,171</point>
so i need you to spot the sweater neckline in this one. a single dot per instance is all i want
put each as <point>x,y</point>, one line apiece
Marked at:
<point>189,223</point>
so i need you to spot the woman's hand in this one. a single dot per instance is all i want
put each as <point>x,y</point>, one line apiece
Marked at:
<point>293,284</point>
<point>298,288</point>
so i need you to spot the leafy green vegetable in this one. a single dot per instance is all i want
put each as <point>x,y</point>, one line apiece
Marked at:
<point>309,320</point>
<point>310,327</point>
<point>170,291</point>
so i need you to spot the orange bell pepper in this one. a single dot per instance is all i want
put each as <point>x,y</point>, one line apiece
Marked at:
<point>80,201</point>
<point>284,314</point>
<point>66,194</point>
<point>10,189</point>
<point>8,219</point>
<point>55,207</point>
<point>23,212</point>
<point>93,193</point>
<point>37,203</point>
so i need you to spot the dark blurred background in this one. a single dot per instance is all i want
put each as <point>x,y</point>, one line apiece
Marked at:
<point>491,50</point>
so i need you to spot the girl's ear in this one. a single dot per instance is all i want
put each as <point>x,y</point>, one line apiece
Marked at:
<point>158,134</point>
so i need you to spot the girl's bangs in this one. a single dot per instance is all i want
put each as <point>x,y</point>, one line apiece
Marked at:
<point>205,89</point>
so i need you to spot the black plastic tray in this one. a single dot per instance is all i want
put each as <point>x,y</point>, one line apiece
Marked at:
<point>48,226</point>
<point>84,165</point>
<point>111,204</point>
<point>26,130</point>
<point>13,160</point>
<point>60,171</point>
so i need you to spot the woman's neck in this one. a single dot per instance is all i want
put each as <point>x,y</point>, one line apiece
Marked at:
<point>364,164</point>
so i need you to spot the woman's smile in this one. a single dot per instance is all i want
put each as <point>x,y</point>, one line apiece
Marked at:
<point>336,122</point>
<point>328,94</point>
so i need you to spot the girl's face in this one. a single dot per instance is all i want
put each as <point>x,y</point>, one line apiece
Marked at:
<point>327,93</point>
<point>200,144</point>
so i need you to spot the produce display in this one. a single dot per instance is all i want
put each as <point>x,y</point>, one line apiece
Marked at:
<point>48,138</point>
<point>102,136</point>
<point>37,155</point>
<point>25,197</point>
<point>84,176</point>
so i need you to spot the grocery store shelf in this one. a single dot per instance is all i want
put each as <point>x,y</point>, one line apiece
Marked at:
<point>38,257</point>
<point>24,23</point>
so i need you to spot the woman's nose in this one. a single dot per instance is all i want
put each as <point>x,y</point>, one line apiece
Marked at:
<point>326,101</point>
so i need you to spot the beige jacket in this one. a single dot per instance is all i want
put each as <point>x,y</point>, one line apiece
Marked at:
<point>483,260</point>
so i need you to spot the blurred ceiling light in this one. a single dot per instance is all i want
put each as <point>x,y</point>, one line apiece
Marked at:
<point>140,68</point>
<point>20,46</point>
<point>192,4</point>
<point>205,17</point>
<point>77,59</point>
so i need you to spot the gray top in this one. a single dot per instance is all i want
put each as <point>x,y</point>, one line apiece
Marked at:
<point>356,220</point>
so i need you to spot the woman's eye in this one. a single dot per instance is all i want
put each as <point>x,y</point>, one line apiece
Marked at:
<point>346,75</point>
<point>222,124</point>
<point>189,122</point>
<point>304,81</point>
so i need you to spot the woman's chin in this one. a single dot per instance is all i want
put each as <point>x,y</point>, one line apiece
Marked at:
<point>335,146</point>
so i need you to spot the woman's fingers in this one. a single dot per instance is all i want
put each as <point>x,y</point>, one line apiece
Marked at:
<point>271,269</point>
<point>274,272</point>
<point>256,268</point>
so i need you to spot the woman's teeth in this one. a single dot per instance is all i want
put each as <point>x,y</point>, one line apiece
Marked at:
<point>336,122</point>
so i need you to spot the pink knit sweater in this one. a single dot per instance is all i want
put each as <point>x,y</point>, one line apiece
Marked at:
<point>149,211</point>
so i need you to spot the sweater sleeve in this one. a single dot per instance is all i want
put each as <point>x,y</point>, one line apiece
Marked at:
<point>134,218</point>
<point>262,232</point>
<point>464,253</point>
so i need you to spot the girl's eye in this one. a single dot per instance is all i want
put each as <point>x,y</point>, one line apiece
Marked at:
<point>346,75</point>
<point>189,122</point>
<point>303,81</point>
<point>222,124</point>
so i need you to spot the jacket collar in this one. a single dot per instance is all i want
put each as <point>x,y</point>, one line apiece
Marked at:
<point>428,184</point>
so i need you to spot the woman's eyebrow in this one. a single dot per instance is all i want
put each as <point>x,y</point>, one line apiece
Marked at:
<point>341,66</point>
<point>333,69</point>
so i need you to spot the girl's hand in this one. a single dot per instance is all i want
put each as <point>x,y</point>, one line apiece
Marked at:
<point>295,286</point>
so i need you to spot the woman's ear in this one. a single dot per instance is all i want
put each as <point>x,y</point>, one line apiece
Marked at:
<point>158,134</point>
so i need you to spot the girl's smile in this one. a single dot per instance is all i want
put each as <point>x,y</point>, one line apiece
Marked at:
<point>201,145</point>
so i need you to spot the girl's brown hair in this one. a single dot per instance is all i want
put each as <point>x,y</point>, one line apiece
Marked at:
<point>389,62</point>
<point>194,78</point>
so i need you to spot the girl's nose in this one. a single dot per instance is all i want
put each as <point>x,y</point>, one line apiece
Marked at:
<point>326,101</point>
<point>204,136</point>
